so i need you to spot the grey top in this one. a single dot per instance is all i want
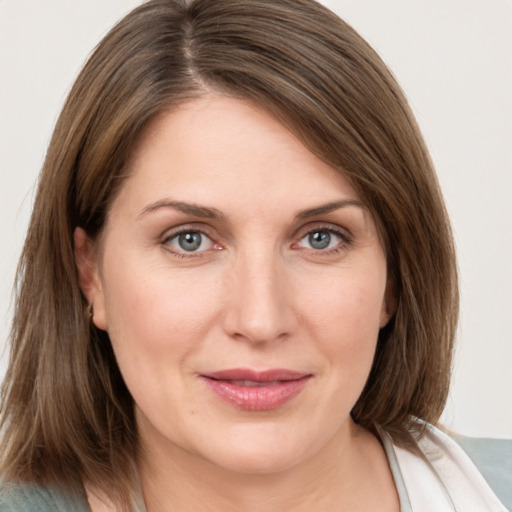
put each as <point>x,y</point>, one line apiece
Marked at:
<point>493,457</point>
<point>31,498</point>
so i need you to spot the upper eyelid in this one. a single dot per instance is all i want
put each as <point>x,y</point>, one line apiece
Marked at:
<point>184,228</point>
<point>319,226</point>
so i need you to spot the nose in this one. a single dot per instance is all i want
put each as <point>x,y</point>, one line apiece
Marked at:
<point>259,308</point>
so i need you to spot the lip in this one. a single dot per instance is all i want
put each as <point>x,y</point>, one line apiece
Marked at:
<point>254,390</point>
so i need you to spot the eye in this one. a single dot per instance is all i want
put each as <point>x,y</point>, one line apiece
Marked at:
<point>190,241</point>
<point>321,239</point>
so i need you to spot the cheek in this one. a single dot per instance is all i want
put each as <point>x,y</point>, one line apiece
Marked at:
<point>152,312</point>
<point>347,306</point>
<point>345,320</point>
<point>157,322</point>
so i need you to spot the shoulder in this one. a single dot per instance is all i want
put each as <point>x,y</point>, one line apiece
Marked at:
<point>439,475</point>
<point>493,458</point>
<point>481,462</point>
<point>21,497</point>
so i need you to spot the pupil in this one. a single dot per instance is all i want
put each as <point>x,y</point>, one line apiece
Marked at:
<point>320,239</point>
<point>190,241</point>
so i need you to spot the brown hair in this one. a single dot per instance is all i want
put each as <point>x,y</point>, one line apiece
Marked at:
<point>66,414</point>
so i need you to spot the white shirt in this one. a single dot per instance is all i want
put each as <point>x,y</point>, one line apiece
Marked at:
<point>440,479</point>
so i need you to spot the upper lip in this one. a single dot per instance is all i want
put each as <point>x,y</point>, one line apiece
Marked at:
<point>276,374</point>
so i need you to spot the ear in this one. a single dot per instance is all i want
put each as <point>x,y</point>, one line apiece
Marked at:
<point>388,303</point>
<point>86,261</point>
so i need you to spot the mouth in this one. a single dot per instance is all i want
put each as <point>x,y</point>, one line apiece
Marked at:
<point>256,390</point>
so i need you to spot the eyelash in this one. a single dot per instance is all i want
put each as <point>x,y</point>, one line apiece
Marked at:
<point>185,254</point>
<point>346,240</point>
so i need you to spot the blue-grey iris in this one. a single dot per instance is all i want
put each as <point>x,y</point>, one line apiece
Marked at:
<point>190,241</point>
<point>320,239</point>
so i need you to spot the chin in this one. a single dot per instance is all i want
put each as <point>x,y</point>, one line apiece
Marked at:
<point>259,453</point>
<point>258,462</point>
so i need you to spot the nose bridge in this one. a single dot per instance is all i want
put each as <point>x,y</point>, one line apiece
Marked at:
<point>260,309</point>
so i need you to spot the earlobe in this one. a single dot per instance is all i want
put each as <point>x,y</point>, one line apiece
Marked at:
<point>388,304</point>
<point>89,278</point>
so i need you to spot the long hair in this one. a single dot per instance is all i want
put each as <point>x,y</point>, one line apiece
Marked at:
<point>66,414</point>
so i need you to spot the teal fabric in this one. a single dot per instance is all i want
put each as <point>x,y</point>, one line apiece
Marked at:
<point>493,458</point>
<point>31,498</point>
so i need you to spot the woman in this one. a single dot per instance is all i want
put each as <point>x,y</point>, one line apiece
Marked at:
<point>231,236</point>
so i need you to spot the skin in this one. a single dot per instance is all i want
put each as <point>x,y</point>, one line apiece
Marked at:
<point>256,294</point>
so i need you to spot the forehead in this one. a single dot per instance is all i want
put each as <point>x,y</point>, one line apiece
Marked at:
<point>218,138</point>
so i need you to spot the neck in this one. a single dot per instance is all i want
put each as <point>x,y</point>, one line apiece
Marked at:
<point>350,473</point>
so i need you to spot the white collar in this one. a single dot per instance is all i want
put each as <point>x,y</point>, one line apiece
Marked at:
<point>441,478</point>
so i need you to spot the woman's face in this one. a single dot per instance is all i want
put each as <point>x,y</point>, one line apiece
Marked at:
<point>243,285</point>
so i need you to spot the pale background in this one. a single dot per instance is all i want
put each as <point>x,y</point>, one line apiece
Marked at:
<point>454,61</point>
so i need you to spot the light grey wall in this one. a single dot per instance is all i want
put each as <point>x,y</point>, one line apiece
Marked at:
<point>453,59</point>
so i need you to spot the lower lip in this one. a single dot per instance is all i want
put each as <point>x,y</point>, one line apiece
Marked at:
<point>257,398</point>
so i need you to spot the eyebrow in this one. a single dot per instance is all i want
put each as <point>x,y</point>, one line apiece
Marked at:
<point>213,213</point>
<point>188,208</point>
<point>327,208</point>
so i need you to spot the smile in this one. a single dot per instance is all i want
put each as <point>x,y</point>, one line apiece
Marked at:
<point>256,391</point>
